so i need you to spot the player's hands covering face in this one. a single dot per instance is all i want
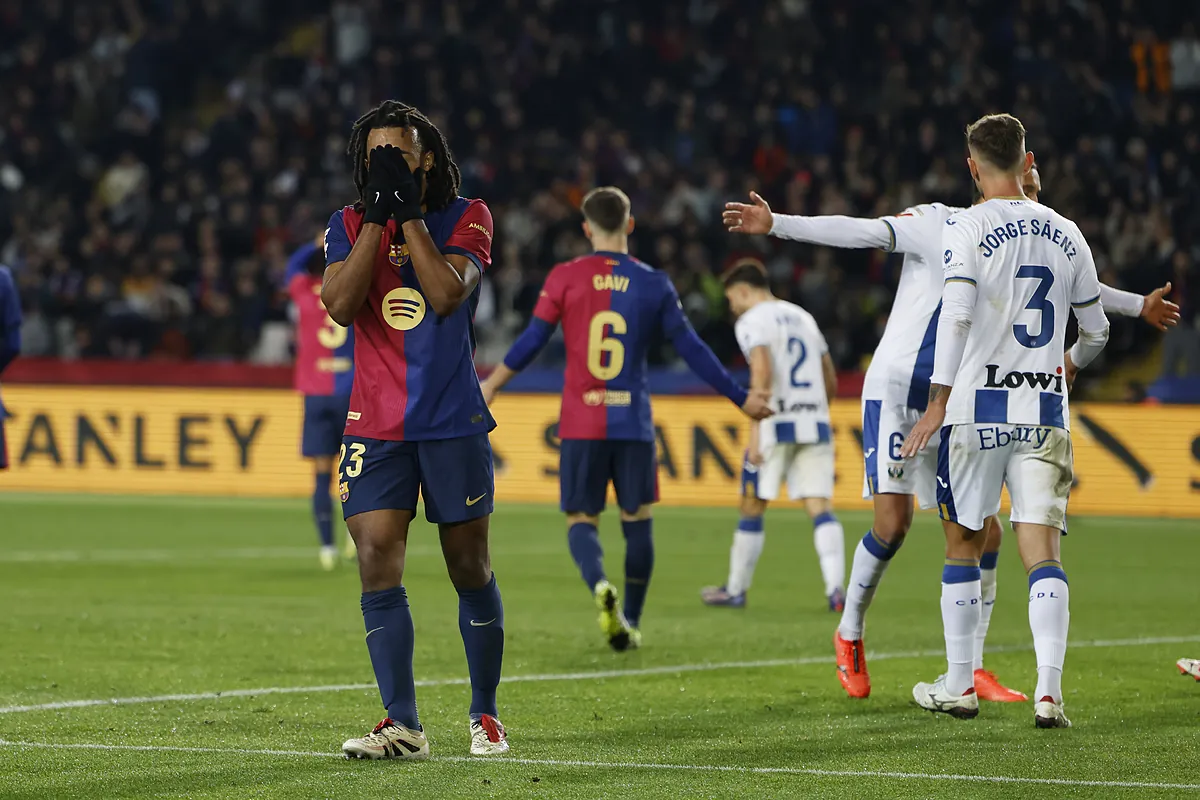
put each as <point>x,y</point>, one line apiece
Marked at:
<point>392,190</point>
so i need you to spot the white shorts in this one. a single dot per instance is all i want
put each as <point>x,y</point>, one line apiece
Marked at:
<point>976,460</point>
<point>808,469</point>
<point>885,426</point>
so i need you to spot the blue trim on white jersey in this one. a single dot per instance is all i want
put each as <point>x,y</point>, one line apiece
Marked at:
<point>1051,410</point>
<point>918,387</point>
<point>991,405</point>
<point>871,412</point>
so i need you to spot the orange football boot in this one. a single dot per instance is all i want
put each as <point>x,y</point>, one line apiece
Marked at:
<point>989,688</point>
<point>852,666</point>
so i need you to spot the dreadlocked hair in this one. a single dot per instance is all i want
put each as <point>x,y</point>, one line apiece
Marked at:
<point>442,181</point>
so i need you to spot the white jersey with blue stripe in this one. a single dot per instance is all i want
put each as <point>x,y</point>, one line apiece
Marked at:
<point>1030,265</point>
<point>797,347</point>
<point>903,361</point>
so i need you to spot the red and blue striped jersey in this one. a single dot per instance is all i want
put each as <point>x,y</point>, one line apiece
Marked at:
<point>610,306</point>
<point>414,373</point>
<point>324,349</point>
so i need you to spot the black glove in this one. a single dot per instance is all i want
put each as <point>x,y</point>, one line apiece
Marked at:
<point>392,190</point>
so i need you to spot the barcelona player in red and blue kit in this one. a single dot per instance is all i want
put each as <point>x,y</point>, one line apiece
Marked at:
<point>323,375</point>
<point>404,265</point>
<point>10,341</point>
<point>610,306</point>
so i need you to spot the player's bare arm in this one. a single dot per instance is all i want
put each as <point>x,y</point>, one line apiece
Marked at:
<point>446,280</point>
<point>760,382</point>
<point>930,422</point>
<point>829,372</point>
<point>499,378</point>
<point>346,283</point>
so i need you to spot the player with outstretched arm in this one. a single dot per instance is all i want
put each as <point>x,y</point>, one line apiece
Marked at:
<point>610,306</point>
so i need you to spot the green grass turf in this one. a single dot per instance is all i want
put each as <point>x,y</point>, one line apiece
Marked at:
<point>117,597</point>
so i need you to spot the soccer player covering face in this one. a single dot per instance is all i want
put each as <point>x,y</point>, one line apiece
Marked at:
<point>10,341</point>
<point>611,305</point>
<point>895,394</point>
<point>324,374</point>
<point>404,265</point>
<point>1014,270</point>
<point>789,358</point>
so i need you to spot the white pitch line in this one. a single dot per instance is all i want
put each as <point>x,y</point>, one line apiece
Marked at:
<point>563,676</point>
<point>555,762</point>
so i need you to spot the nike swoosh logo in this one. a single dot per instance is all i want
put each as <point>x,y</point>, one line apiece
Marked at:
<point>866,586</point>
<point>373,630</point>
<point>399,199</point>
<point>471,502</point>
<point>870,452</point>
<point>477,624</point>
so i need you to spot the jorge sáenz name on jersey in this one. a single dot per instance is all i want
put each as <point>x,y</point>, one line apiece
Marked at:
<point>1031,227</point>
<point>1015,380</point>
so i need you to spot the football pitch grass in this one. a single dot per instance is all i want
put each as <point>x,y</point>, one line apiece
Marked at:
<point>192,648</point>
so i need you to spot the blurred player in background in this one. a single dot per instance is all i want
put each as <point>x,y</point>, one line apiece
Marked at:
<point>10,342</point>
<point>610,306</point>
<point>895,393</point>
<point>788,358</point>
<point>324,375</point>
<point>404,265</point>
<point>1014,270</point>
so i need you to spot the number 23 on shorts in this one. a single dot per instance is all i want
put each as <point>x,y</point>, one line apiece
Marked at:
<point>349,466</point>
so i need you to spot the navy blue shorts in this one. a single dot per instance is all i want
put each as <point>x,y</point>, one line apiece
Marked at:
<point>453,477</point>
<point>586,466</point>
<point>324,423</point>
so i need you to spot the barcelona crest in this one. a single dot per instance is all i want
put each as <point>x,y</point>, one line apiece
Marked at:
<point>344,491</point>
<point>398,255</point>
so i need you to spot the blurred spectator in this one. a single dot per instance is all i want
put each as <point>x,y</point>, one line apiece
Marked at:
<point>146,206</point>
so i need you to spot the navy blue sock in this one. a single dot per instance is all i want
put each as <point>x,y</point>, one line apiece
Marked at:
<point>584,541</point>
<point>639,564</point>
<point>481,622</point>
<point>389,626</point>
<point>322,505</point>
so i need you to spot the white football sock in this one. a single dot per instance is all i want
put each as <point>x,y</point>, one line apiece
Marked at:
<point>1049,618</point>
<point>960,619</point>
<point>988,596</point>
<point>743,558</point>
<point>865,573</point>
<point>830,541</point>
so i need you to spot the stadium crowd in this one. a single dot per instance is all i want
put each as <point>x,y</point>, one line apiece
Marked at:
<point>153,183</point>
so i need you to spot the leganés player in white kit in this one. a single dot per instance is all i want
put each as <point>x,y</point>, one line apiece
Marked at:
<point>1014,270</point>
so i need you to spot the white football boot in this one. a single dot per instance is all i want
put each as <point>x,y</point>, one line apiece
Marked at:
<point>488,737</point>
<point>1189,666</point>
<point>389,739</point>
<point>934,697</point>
<point>1049,714</point>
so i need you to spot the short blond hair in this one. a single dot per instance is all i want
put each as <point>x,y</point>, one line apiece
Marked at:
<point>606,208</point>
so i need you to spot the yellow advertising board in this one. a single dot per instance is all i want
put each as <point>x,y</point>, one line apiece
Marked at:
<point>1131,460</point>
